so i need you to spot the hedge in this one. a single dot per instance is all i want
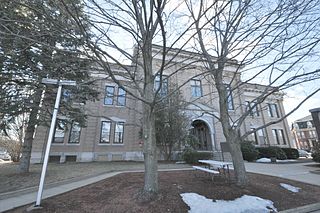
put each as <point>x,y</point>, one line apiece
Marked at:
<point>191,156</point>
<point>291,153</point>
<point>271,152</point>
<point>248,150</point>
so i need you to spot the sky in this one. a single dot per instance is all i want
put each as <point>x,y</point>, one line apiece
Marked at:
<point>293,95</point>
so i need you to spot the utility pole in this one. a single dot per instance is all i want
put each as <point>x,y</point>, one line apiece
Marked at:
<point>60,83</point>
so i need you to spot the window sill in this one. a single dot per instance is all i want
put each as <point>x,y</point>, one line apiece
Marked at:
<point>104,144</point>
<point>117,106</point>
<point>73,144</point>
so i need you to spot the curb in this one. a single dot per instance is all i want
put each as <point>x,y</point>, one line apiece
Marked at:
<point>304,209</point>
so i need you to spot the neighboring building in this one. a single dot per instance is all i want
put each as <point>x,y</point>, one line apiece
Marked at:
<point>114,123</point>
<point>304,133</point>
<point>315,113</point>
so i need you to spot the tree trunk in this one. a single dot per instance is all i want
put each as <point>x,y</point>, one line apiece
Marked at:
<point>27,145</point>
<point>150,153</point>
<point>237,159</point>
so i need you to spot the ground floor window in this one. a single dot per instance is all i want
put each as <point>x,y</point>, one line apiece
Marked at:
<point>75,133</point>
<point>118,133</point>
<point>105,132</point>
<point>59,131</point>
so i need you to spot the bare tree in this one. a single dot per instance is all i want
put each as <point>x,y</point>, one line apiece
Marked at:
<point>266,41</point>
<point>12,138</point>
<point>145,27</point>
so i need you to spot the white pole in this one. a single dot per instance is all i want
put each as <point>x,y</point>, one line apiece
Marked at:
<point>46,156</point>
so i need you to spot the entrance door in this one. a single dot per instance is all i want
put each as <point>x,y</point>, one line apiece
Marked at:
<point>201,131</point>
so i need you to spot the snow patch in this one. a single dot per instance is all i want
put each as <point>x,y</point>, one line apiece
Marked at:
<point>290,187</point>
<point>264,160</point>
<point>244,204</point>
<point>268,160</point>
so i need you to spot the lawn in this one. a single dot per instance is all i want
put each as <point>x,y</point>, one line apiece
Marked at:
<point>119,193</point>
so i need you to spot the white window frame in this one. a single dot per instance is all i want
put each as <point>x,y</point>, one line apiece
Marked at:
<point>196,88</point>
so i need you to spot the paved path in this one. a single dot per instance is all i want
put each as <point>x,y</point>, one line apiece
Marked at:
<point>295,171</point>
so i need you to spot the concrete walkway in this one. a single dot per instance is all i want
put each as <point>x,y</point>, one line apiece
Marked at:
<point>295,171</point>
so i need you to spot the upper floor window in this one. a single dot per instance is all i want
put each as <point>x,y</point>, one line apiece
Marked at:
<point>75,133</point>
<point>108,99</point>
<point>229,98</point>
<point>163,83</point>
<point>253,107</point>
<point>121,97</point>
<point>105,132</point>
<point>66,95</point>
<point>118,132</point>
<point>302,125</point>
<point>273,110</point>
<point>196,89</point>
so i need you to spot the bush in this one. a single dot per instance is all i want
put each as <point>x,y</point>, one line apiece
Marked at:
<point>272,152</point>
<point>291,153</point>
<point>191,156</point>
<point>248,150</point>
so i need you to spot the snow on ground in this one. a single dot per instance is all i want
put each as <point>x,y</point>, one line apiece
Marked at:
<point>290,187</point>
<point>268,160</point>
<point>244,204</point>
<point>264,160</point>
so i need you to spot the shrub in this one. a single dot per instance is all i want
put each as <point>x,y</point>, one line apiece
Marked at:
<point>191,156</point>
<point>291,153</point>
<point>272,152</point>
<point>248,150</point>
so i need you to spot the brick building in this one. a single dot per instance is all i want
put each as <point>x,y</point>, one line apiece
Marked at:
<point>304,133</point>
<point>113,125</point>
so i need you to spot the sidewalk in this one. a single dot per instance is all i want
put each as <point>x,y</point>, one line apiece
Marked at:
<point>296,171</point>
<point>28,196</point>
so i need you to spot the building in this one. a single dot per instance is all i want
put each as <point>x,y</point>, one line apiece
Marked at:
<point>304,133</point>
<point>113,126</point>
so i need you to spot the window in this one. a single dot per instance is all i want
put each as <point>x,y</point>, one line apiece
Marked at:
<point>273,110</point>
<point>281,135</point>
<point>254,136</point>
<point>254,108</point>
<point>118,133</point>
<point>258,136</point>
<point>302,125</point>
<point>59,131</point>
<point>261,136</point>
<point>108,99</point>
<point>229,98</point>
<point>276,136</point>
<point>196,90</point>
<point>121,97</point>
<point>164,85</point>
<point>66,95</point>
<point>105,132</point>
<point>75,133</point>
